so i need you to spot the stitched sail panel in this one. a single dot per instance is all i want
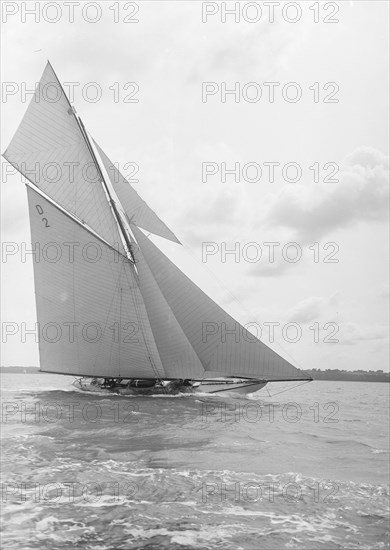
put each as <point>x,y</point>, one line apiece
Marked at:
<point>136,208</point>
<point>177,354</point>
<point>49,149</point>
<point>90,310</point>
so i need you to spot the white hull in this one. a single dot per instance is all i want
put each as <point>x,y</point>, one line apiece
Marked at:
<point>243,387</point>
<point>218,387</point>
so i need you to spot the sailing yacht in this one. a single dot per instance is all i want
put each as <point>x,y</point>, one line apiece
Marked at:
<point>113,310</point>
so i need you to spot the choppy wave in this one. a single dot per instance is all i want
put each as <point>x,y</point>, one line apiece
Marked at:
<point>196,473</point>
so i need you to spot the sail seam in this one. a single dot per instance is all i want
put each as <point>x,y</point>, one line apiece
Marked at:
<point>31,185</point>
<point>170,309</point>
<point>140,320</point>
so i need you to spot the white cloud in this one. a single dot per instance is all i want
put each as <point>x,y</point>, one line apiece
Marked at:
<point>270,269</point>
<point>312,308</point>
<point>351,333</point>
<point>314,210</point>
<point>384,292</point>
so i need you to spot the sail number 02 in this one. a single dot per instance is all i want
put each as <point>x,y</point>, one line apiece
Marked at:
<point>40,212</point>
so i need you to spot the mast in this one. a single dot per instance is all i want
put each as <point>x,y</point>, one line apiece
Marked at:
<point>100,173</point>
<point>117,216</point>
<point>103,181</point>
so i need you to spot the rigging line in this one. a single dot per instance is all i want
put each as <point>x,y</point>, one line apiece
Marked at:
<point>119,277</point>
<point>289,389</point>
<point>150,356</point>
<point>74,218</point>
<point>167,304</point>
<point>85,136</point>
<point>187,248</point>
<point>111,201</point>
<point>108,190</point>
<point>120,324</point>
<point>74,295</point>
<point>134,297</point>
<point>143,331</point>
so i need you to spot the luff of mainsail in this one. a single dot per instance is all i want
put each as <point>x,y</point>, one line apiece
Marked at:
<point>91,315</point>
<point>223,346</point>
<point>135,208</point>
<point>50,150</point>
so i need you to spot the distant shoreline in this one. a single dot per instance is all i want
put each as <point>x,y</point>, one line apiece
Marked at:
<point>349,376</point>
<point>329,374</point>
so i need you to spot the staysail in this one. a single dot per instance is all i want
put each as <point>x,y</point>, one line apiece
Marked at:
<point>223,346</point>
<point>136,208</point>
<point>49,149</point>
<point>92,319</point>
<point>177,354</point>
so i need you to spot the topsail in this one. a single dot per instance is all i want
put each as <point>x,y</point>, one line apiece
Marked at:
<point>135,208</point>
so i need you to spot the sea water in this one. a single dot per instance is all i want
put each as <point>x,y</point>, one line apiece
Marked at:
<point>306,468</point>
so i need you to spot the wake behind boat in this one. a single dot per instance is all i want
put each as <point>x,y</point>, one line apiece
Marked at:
<point>111,307</point>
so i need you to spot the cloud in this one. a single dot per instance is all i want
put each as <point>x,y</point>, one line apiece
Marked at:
<point>350,334</point>
<point>314,210</point>
<point>312,308</point>
<point>232,51</point>
<point>214,217</point>
<point>385,292</point>
<point>270,269</point>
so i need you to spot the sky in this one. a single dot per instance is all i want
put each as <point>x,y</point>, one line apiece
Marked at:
<point>340,301</point>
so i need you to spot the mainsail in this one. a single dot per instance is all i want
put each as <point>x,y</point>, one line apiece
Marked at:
<point>49,149</point>
<point>92,320</point>
<point>223,346</point>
